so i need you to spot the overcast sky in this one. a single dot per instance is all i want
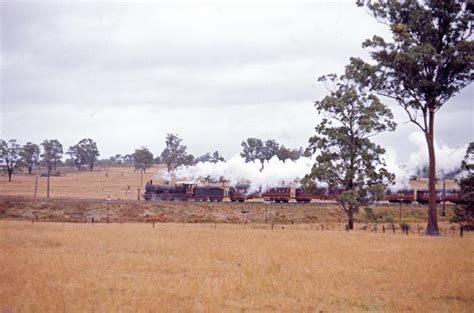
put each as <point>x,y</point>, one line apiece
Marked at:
<point>125,74</point>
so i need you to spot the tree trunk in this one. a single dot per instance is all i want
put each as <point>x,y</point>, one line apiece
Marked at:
<point>432,227</point>
<point>263,165</point>
<point>30,168</point>
<point>350,219</point>
<point>10,172</point>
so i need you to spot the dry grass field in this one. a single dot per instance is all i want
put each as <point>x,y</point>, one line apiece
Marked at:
<point>119,182</point>
<point>51,267</point>
<point>190,264</point>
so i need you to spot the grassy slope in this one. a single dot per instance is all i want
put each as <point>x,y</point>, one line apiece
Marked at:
<point>230,268</point>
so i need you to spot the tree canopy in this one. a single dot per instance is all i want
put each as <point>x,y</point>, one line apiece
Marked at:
<point>347,160</point>
<point>52,154</point>
<point>208,157</point>
<point>9,156</point>
<point>252,149</point>
<point>429,59</point>
<point>256,149</point>
<point>142,159</point>
<point>30,154</point>
<point>464,212</point>
<point>84,153</point>
<point>175,153</point>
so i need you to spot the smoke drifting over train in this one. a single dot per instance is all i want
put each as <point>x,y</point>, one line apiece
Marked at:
<point>277,173</point>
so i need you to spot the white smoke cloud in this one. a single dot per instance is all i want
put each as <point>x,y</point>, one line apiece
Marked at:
<point>236,170</point>
<point>448,160</point>
<point>402,171</point>
<point>278,173</point>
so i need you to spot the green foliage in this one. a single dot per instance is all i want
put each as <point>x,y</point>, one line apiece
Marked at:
<point>84,153</point>
<point>468,162</point>
<point>270,149</point>
<point>142,159</point>
<point>213,158</point>
<point>189,159</point>
<point>253,149</point>
<point>464,212</point>
<point>216,157</point>
<point>256,149</point>
<point>429,59</point>
<point>30,154</point>
<point>175,153</point>
<point>284,153</point>
<point>347,159</point>
<point>75,156</point>
<point>9,156</point>
<point>52,153</point>
<point>90,152</point>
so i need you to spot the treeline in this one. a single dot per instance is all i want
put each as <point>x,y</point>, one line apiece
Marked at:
<point>49,155</point>
<point>256,149</point>
<point>85,155</point>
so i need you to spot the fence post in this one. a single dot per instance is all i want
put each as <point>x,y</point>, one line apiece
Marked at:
<point>461,231</point>
<point>383,228</point>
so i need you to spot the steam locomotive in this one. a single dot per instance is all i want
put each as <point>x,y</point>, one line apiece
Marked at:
<point>182,192</point>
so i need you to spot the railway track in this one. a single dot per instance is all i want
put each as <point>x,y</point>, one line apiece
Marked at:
<point>226,202</point>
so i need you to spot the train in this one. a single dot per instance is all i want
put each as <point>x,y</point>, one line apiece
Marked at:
<point>182,192</point>
<point>421,196</point>
<point>240,193</point>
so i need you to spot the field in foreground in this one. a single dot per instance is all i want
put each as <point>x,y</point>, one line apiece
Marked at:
<point>237,268</point>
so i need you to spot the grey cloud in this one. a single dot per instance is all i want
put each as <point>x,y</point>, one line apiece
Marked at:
<point>127,73</point>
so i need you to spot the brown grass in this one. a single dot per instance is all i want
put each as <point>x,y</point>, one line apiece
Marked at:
<point>119,182</point>
<point>47,267</point>
<point>82,211</point>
